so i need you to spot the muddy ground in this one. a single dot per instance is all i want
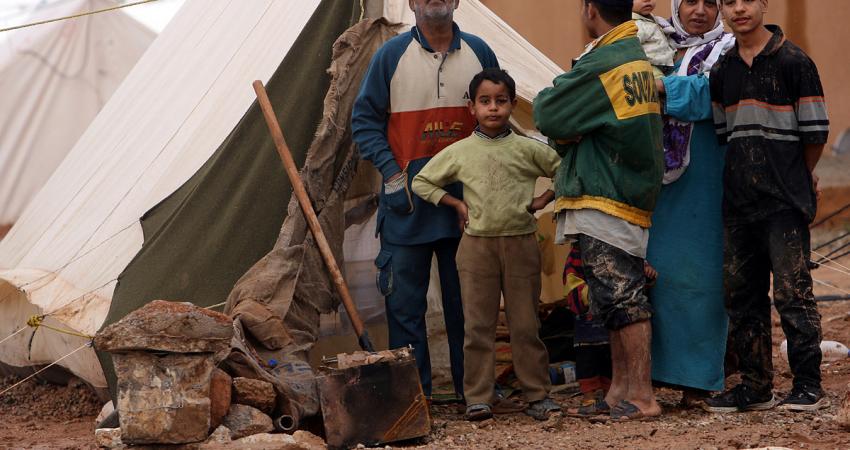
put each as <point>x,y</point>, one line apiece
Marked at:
<point>43,416</point>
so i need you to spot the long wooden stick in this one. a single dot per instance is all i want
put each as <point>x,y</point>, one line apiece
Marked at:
<point>310,214</point>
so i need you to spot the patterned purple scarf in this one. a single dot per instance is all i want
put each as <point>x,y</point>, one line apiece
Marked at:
<point>677,134</point>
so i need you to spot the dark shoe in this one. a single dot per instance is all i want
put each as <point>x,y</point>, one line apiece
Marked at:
<point>592,409</point>
<point>804,400</point>
<point>626,411</point>
<point>740,398</point>
<point>478,411</point>
<point>541,409</point>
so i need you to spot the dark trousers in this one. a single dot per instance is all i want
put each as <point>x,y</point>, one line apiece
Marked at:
<point>404,273</point>
<point>778,244</point>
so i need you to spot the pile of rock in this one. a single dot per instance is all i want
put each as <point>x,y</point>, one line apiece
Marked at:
<point>170,391</point>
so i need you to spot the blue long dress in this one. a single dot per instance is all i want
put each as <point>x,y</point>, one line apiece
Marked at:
<point>686,248</point>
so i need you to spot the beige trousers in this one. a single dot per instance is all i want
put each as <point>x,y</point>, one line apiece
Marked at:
<point>489,268</point>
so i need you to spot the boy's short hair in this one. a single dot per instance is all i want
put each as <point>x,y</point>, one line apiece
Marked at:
<point>495,75</point>
<point>614,12</point>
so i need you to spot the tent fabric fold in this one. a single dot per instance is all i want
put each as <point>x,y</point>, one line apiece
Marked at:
<point>55,78</point>
<point>175,191</point>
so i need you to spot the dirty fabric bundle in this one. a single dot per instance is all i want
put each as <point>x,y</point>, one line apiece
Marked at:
<point>279,300</point>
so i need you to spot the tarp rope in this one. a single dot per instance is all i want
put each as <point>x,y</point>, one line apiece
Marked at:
<point>841,255</point>
<point>87,344</point>
<point>38,321</point>
<point>827,258</point>
<point>12,335</point>
<point>77,15</point>
<point>838,238</point>
<point>830,216</point>
<point>831,286</point>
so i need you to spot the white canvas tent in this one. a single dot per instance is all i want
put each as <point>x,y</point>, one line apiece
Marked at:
<point>181,101</point>
<point>55,78</point>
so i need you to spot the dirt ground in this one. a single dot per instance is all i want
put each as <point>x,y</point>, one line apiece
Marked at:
<point>42,416</point>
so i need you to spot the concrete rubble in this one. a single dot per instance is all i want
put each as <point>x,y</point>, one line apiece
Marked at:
<point>221,435</point>
<point>164,356</point>
<point>221,391</point>
<point>256,393</point>
<point>244,420</point>
<point>108,437</point>
<point>170,389</point>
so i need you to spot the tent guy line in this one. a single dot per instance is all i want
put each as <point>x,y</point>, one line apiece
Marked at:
<point>89,13</point>
<point>87,344</point>
<point>831,286</point>
<point>826,258</point>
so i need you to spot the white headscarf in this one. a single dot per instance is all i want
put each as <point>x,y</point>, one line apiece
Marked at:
<point>719,40</point>
<point>702,53</point>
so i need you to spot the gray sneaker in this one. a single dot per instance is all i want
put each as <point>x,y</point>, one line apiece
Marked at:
<point>542,409</point>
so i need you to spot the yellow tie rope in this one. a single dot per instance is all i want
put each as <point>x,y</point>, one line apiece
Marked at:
<point>77,15</point>
<point>38,321</point>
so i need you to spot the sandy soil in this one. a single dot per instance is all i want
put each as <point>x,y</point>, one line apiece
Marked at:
<point>41,416</point>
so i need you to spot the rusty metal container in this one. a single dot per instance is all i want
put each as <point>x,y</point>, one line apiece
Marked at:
<point>372,399</point>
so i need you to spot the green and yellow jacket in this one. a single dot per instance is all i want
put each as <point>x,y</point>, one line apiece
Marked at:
<point>609,105</point>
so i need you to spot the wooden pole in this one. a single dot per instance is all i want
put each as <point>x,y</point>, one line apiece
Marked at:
<point>310,215</point>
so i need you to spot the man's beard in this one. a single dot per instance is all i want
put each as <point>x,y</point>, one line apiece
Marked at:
<point>436,14</point>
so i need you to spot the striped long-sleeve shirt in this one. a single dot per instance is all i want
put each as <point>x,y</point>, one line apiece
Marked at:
<point>412,104</point>
<point>767,113</point>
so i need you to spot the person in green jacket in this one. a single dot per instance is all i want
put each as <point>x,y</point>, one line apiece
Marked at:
<point>604,117</point>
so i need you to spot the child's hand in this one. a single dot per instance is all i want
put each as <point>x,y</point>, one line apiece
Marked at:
<point>650,273</point>
<point>541,201</point>
<point>462,215</point>
<point>573,140</point>
<point>537,204</point>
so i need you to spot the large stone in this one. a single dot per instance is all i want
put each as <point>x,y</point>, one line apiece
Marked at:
<point>244,420</point>
<point>170,327</point>
<point>163,399</point>
<point>309,441</point>
<point>220,395</point>
<point>256,393</point>
<point>108,438</point>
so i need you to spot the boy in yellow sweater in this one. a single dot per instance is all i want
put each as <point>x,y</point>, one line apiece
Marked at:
<point>498,254</point>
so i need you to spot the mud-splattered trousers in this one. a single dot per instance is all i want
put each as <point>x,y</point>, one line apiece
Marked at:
<point>777,244</point>
<point>617,284</point>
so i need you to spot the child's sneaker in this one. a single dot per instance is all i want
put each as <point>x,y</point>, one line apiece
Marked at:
<point>541,409</point>
<point>740,398</point>
<point>804,400</point>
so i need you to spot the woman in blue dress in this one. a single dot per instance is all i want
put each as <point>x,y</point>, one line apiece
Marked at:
<point>686,239</point>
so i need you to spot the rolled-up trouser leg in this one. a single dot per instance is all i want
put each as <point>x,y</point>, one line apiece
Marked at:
<point>616,280</point>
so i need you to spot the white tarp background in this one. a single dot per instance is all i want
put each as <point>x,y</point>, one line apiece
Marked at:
<point>173,110</point>
<point>55,78</point>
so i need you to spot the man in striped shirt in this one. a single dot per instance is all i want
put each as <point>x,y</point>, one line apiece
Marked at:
<point>769,109</point>
<point>412,104</point>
